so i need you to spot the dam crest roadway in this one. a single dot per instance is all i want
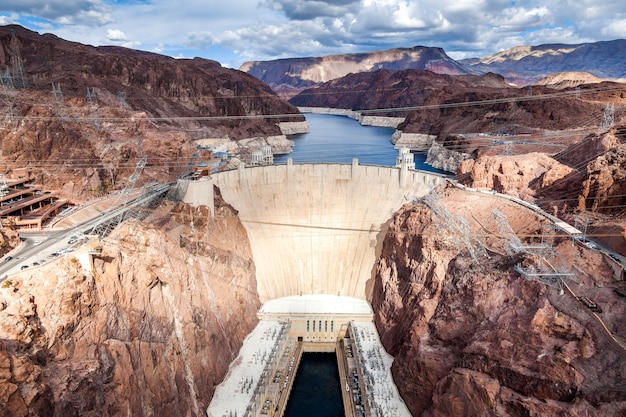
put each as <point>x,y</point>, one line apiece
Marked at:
<point>315,232</point>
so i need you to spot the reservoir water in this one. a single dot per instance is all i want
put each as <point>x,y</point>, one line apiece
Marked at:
<point>340,138</point>
<point>316,390</point>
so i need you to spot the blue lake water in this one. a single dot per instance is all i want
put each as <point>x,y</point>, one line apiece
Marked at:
<point>339,139</point>
<point>316,390</point>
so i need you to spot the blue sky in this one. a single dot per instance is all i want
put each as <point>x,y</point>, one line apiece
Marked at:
<point>235,31</point>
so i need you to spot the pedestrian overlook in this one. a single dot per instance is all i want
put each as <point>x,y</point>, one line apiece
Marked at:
<point>314,228</point>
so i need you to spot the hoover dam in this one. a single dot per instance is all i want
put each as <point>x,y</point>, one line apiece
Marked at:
<point>314,228</point>
<point>315,232</point>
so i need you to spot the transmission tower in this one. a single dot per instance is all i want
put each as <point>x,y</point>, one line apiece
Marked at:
<point>580,223</point>
<point>553,279</point>
<point>6,79</point>
<point>58,96</point>
<point>474,246</point>
<point>547,238</point>
<point>57,93</point>
<point>514,244</point>
<point>92,97</point>
<point>508,148</point>
<point>14,75</point>
<point>8,116</point>
<point>121,97</point>
<point>456,228</point>
<point>608,118</point>
<point>104,228</point>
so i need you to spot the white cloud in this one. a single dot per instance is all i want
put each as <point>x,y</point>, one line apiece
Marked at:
<point>64,12</point>
<point>269,29</point>
<point>116,35</point>
<point>615,29</point>
<point>8,20</point>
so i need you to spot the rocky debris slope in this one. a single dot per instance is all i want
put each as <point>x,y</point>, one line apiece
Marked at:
<point>479,339</point>
<point>518,175</point>
<point>150,332</point>
<point>9,240</point>
<point>81,119</point>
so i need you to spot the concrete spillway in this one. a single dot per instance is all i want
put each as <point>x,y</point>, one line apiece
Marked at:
<point>314,228</point>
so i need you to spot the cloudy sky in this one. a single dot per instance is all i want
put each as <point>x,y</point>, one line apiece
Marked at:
<point>234,31</point>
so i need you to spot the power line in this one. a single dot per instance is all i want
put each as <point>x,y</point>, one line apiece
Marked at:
<point>300,115</point>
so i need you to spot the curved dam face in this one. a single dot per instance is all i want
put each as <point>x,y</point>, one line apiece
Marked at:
<point>315,228</point>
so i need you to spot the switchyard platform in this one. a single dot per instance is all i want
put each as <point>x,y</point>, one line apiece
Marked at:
<point>260,379</point>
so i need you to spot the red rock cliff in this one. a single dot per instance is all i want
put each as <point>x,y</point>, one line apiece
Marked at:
<point>150,333</point>
<point>479,339</point>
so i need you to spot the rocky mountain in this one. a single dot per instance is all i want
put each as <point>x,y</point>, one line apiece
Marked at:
<point>288,76</point>
<point>522,65</point>
<point>397,90</point>
<point>99,110</point>
<point>568,79</point>
<point>527,64</point>
<point>477,338</point>
<point>153,326</point>
<point>433,104</point>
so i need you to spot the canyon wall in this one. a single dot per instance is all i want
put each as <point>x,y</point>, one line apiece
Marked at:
<point>150,332</point>
<point>139,104</point>
<point>477,338</point>
<point>583,183</point>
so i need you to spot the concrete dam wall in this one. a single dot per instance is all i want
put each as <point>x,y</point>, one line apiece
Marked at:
<point>314,228</point>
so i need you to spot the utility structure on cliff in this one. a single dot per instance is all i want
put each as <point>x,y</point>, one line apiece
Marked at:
<point>14,76</point>
<point>92,100</point>
<point>457,227</point>
<point>105,227</point>
<point>608,118</point>
<point>58,97</point>
<point>92,97</point>
<point>514,244</point>
<point>8,114</point>
<point>121,98</point>
<point>553,279</point>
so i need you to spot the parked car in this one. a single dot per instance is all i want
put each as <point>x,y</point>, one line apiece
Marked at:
<point>590,245</point>
<point>8,258</point>
<point>24,267</point>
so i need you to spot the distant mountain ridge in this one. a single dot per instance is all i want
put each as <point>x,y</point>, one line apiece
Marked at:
<point>294,74</point>
<point>522,65</point>
<point>527,64</point>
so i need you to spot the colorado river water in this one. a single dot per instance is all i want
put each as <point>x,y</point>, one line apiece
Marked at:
<point>316,390</point>
<point>340,138</point>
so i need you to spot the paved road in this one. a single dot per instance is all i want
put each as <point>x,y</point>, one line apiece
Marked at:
<point>38,245</point>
